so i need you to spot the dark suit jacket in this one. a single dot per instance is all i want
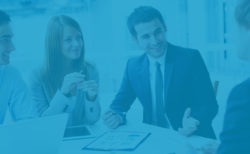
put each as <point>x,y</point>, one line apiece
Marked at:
<point>235,136</point>
<point>187,84</point>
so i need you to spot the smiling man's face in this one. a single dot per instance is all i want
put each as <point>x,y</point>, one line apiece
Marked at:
<point>151,37</point>
<point>6,45</point>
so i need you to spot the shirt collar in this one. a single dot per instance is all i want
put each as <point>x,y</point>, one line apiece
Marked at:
<point>161,59</point>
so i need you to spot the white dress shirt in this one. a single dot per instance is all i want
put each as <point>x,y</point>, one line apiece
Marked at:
<point>152,70</point>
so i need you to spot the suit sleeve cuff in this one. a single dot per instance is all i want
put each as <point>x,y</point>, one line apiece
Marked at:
<point>59,104</point>
<point>122,116</point>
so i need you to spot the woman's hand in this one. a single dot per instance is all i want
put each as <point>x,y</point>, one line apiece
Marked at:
<point>71,82</point>
<point>91,89</point>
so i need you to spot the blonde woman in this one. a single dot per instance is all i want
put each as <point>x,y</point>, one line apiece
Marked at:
<point>66,83</point>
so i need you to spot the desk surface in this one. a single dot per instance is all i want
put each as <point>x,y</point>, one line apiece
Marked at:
<point>161,140</point>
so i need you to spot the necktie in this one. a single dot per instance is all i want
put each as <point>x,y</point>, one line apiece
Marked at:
<point>160,111</point>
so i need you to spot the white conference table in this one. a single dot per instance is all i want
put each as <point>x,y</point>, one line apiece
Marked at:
<point>161,141</point>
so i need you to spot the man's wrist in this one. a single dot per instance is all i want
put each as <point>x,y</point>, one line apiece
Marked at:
<point>122,116</point>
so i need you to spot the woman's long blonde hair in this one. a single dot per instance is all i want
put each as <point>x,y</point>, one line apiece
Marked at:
<point>53,70</point>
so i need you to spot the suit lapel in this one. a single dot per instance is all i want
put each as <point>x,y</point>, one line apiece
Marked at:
<point>168,76</point>
<point>144,78</point>
<point>144,75</point>
<point>169,66</point>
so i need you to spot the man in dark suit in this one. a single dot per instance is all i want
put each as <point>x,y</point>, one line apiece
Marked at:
<point>172,83</point>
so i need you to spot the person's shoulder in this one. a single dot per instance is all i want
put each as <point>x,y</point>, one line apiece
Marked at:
<point>245,83</point>
<point>239,95</point>
<point>183,54</point>
<point>134,61</point>
<point>186,51</point>
<point>181,49</point>
<point>12,75</point>
<point>241,89</point>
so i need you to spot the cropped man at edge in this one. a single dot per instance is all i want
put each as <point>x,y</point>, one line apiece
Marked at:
<point>14,93</point>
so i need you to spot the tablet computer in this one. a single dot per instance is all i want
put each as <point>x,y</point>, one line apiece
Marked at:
<point>77,132</point>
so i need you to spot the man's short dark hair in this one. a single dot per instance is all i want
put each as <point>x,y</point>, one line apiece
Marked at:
<point>242,14</point>
<point>4,18</point>
<point>143,14</point>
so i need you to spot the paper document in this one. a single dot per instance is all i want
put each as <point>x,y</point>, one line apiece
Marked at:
<point>118,141</point>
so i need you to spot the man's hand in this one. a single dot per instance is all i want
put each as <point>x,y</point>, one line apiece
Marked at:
<point>111,119</point>
<point>189,124</point>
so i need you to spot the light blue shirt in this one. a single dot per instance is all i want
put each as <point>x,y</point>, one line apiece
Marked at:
<point>14,95</point>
